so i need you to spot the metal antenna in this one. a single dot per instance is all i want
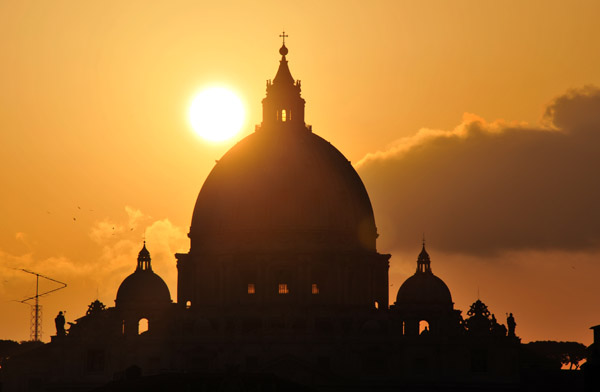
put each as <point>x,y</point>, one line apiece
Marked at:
<point>36,309</point>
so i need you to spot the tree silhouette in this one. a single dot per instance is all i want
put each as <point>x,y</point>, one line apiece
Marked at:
<point>554,354</point>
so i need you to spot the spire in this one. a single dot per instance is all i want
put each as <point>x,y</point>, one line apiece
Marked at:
<point>423,261</point>
<point>283,73</point>
<point>283,76</point>
<point>143,261</point>
<point>283,103</point>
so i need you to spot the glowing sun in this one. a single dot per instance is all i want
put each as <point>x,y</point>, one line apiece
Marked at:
<point>216,114</point>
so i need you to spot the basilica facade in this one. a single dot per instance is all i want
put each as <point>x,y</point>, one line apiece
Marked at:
<point>282,287</point>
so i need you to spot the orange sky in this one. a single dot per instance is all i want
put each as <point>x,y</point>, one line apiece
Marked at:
<point>93,101</point>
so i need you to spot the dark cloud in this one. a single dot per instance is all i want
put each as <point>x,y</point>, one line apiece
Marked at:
<point>485,188</point>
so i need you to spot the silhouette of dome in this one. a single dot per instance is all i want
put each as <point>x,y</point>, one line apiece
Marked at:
<point>424,288</point>
<point>283,185</point>
<point>143,286</point>
<point>287,187</point>
<point>283,289</point>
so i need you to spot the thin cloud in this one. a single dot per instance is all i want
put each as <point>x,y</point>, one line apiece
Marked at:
<point>119,252</point>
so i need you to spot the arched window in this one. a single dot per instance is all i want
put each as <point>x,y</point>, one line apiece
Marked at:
<point>283,115</point>
<point>142,326</point>
<point>315,288</point>
<point>376,304</point>
<point>251,288</point>
<point>423,327</point>
<point>188,304</point>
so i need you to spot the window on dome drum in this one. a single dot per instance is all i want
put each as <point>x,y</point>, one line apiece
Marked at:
<point>283,115</point>
<point>315,289</point>
<point>95,360</point>
<point>423,327</point>
<point>251,288</point>
<point>142,326</point>
<point>283,288</point>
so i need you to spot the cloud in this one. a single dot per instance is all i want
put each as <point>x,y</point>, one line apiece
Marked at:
<point>487,188</point>
<point>94,272</point>
<point>120,245</point>
<point>103,230</point>
<point>134,215</point>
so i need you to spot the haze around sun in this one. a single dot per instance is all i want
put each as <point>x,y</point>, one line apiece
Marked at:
<point>216,114</point>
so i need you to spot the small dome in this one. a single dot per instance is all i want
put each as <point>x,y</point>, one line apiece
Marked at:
<point>424,288</point>
<point>143,287</point>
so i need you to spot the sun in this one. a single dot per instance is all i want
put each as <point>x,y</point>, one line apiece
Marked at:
<point>216,114</point>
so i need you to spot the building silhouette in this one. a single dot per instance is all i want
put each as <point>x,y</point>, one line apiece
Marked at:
<point>282,289</point>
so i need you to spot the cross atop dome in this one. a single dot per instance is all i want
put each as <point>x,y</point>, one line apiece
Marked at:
<point>283,50</point>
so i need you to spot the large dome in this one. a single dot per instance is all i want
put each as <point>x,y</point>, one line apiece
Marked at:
<point>143,287</point>
<point>283,219</point>
<point>279,187</point>
<point>424,289</point>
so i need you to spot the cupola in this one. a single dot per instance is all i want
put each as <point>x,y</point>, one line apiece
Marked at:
<point>283,105</point>
<point>143,287</point>
<point>424,288</point>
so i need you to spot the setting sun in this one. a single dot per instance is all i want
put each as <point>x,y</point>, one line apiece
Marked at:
<point>216,114</point>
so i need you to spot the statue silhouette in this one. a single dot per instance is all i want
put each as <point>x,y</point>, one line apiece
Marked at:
<point>510,322</point>
<point>59,321</point>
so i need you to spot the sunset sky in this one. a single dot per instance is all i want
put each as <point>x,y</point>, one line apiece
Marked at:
<point>474,122</point>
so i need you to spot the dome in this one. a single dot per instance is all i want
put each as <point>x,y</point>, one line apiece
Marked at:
<point>424,288</point>
<point>282,188</point>
<point>143,287</point>
<point>279,187</point>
